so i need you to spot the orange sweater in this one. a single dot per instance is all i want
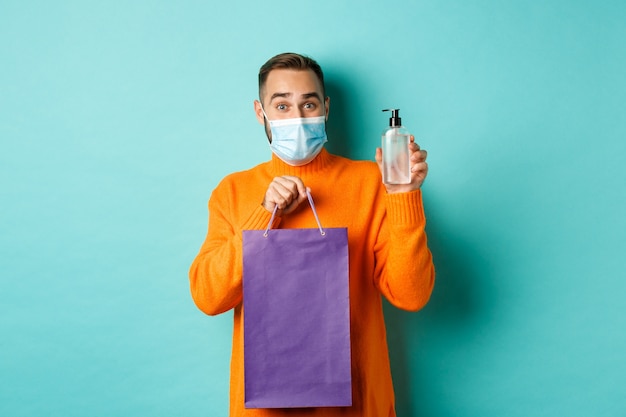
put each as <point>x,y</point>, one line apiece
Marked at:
<point>388,255</point>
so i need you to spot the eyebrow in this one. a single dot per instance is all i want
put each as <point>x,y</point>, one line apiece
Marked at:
<point>287,95</point>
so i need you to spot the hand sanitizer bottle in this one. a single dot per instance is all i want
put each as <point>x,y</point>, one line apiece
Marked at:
<point>395,146</point>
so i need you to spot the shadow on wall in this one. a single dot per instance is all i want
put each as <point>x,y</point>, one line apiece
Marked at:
<point>455,302</point>
<point>341,140</point>
<point>455,305</point>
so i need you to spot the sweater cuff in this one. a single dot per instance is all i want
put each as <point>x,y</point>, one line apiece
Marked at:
<point>259,219</point>
<point>405,208</point>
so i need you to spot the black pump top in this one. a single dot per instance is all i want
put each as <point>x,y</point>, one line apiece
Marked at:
<point>394,120</point>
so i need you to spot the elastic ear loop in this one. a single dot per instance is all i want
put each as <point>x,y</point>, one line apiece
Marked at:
<point>317,219</point>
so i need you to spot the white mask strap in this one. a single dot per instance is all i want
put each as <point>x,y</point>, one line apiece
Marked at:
<point>266,118</point>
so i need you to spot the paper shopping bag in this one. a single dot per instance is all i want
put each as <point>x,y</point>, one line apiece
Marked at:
<point>296,318</point>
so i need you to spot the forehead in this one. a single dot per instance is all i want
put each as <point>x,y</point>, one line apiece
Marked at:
<point>296,82</point>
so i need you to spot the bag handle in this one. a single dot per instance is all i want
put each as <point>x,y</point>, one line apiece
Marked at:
<point>308,194</point>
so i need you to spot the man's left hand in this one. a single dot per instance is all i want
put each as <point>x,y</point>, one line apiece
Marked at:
<point>419,168</point>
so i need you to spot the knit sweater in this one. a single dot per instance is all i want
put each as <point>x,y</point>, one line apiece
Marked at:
<point>388,255</point>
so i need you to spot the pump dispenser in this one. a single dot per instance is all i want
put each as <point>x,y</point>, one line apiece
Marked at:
<point>395,146</point>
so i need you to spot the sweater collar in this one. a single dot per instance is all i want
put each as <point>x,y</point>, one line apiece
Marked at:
<point>321,161</point>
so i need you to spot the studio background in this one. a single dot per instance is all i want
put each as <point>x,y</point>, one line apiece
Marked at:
<point>117,119</point>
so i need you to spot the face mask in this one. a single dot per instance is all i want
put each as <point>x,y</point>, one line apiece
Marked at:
<point>298,141</point>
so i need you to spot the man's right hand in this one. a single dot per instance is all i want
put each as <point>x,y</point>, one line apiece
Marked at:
<point>286,192</point>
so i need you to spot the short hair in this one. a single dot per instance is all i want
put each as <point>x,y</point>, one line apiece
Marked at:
<point>290,60</point>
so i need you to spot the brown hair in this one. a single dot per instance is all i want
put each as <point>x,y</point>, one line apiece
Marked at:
<point>290,60</point>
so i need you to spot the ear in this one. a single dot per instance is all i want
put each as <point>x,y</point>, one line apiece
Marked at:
<point>327,106</point>
<point>258,111</point>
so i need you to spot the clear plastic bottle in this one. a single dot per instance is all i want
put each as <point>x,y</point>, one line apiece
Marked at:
<point>395,146</point>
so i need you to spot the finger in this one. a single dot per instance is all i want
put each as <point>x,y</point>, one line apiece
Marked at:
<point>273,198</point>
<point>295,203</point>
<point>419,156</point>
<point>279,192</point>
<point>379,156</point>
<point>420,168</point>
<point>289,184</point>
<point>300,188</point>
<point>289,192</point>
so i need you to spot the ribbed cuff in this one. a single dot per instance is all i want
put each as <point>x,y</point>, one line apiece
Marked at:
<point>259,219</point>
<point>405,208</point>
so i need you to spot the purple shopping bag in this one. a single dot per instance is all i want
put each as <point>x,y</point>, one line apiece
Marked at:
<point>296,317</point>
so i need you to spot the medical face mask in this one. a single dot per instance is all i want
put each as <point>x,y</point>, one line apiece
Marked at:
<point>297,141</point>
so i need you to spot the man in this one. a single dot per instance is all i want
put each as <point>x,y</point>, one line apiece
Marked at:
<point>388,252</point>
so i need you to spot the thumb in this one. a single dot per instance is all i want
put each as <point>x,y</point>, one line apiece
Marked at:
<point>379,158</point>
<point>305,195</point>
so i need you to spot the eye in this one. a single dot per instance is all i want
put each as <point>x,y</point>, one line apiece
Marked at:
<point>309,106</point>
<point>281,107</point>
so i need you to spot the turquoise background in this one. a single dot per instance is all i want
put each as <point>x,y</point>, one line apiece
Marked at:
<point>117,119</point>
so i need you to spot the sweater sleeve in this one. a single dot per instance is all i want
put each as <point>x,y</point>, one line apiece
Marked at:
<point>216,273</point>
<point>405,273</point>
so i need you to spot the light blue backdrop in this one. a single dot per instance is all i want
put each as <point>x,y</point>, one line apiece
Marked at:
<point>117,119</point>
